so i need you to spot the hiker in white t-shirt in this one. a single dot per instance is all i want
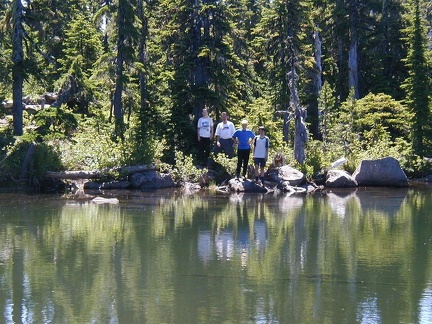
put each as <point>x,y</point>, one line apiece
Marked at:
<point>260,153</point>
<point>205,135</point>
<point>224,132</point>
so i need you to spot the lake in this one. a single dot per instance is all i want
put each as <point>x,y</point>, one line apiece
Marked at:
<point>343,256</point>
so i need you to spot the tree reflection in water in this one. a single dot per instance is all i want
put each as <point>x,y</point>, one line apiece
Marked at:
<point>349,256</point>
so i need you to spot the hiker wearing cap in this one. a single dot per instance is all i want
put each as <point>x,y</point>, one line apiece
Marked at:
<point>243,138</point>
<point>260,153</point>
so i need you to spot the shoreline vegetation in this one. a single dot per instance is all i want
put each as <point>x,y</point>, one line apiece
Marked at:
<point>51,164</point>
<point>97,85</point>
<point>385,172</point>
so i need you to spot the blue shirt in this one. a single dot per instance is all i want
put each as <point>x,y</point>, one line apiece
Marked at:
<point>243,136</point>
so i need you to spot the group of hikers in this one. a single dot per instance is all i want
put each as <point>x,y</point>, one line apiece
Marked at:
<point>227,138</point>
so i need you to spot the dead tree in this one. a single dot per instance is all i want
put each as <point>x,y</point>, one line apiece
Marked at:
<point>301,135</point>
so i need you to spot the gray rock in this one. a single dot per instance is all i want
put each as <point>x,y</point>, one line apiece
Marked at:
<point>102,200</point>
<point>385,172</point>
<point>97,185</point>
<point>236,185</point>
<point>151,180</point>
<point>116,185</point>
<point>92,185</point>
<point>340,179</point>
<point>288,174</point>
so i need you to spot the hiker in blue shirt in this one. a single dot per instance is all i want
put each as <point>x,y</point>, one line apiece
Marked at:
<point>243,138</point>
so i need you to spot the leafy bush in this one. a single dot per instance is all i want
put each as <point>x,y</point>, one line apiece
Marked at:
<point>55,122</point>
<point>184,168</point>
<point>44,158</point>
<point>226,165</point>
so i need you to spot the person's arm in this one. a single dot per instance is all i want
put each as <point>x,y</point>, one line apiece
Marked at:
<point>198,130</point>
<point>234,137</point>
<point>254,146</point>
<point>251,137</point>
<point>267,149</point>
<point>217,135</point>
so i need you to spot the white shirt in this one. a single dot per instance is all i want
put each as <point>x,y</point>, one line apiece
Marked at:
<point>204,126</point>
<point>261,146</point>
<point>225,130</point>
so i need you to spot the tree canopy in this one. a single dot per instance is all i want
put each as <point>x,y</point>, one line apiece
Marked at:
<point>143,70</point>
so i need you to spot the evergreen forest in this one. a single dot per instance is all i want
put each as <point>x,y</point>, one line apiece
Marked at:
<point>89,85</point>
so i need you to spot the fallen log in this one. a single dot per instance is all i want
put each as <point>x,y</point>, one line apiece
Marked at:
<point>125,171</point>
<point>74,174</point>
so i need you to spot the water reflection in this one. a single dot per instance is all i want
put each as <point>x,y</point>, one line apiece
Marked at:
<point>226,243</point>
<point>339,200</point>
<point>384,200</point>
<point>173,258</point>
<point>426,306</point>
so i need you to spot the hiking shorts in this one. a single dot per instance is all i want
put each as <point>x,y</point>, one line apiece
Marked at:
<point>261,162</point>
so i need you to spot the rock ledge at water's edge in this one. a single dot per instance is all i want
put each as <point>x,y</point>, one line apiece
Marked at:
<point>385,172</point>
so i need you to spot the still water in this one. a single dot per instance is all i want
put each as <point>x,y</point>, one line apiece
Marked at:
<point>356,256</point>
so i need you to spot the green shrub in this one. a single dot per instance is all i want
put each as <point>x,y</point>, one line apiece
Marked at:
<point>44,158</point>
<point>226,165</point>
<point>184,168</point>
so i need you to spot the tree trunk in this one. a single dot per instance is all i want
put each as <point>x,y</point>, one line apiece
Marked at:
<point>318,61</point>
<point>353,50</point>
<point>286,126</point>
<point>143,59</point>
<point>301,136</point>
<point>353,68</point>
<point>18,69</point>
<point>118,105</point>
<point>200,22</point>
<point>28,157</point>
<point>315,114</point>
<point>67,93</point>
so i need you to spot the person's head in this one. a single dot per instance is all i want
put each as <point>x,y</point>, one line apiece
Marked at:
<point>224,116</point>
<point>261,130</point>
<point>205,112</point>
<point>244,123</point>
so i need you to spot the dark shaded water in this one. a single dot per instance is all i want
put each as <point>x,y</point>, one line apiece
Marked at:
<point>358,256</point>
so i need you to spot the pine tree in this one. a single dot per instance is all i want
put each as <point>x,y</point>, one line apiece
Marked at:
<point>18,72</point>
<point>281,34</point>
<point>383,49</point>
<point>126,35</point>
<point>204,66</point>
<point>417,85</point>
<point>82,46</point>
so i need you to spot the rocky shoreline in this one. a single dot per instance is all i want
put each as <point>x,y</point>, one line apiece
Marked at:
<point>385,172</point>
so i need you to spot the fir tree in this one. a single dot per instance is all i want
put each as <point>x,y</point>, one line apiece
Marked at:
<point>417,85</point>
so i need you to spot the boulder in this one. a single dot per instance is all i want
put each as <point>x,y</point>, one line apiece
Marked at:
<point>288,174</point>
<point>385,172</point>
<point>120,185</point>
<point>236,185</point>
<point>340,179</point>
<point>8,104</point>
<point>152,180</point>
<point>189,188</point>
<point>286,187</point>
<point>32,109</point>
<point>102,200</point>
